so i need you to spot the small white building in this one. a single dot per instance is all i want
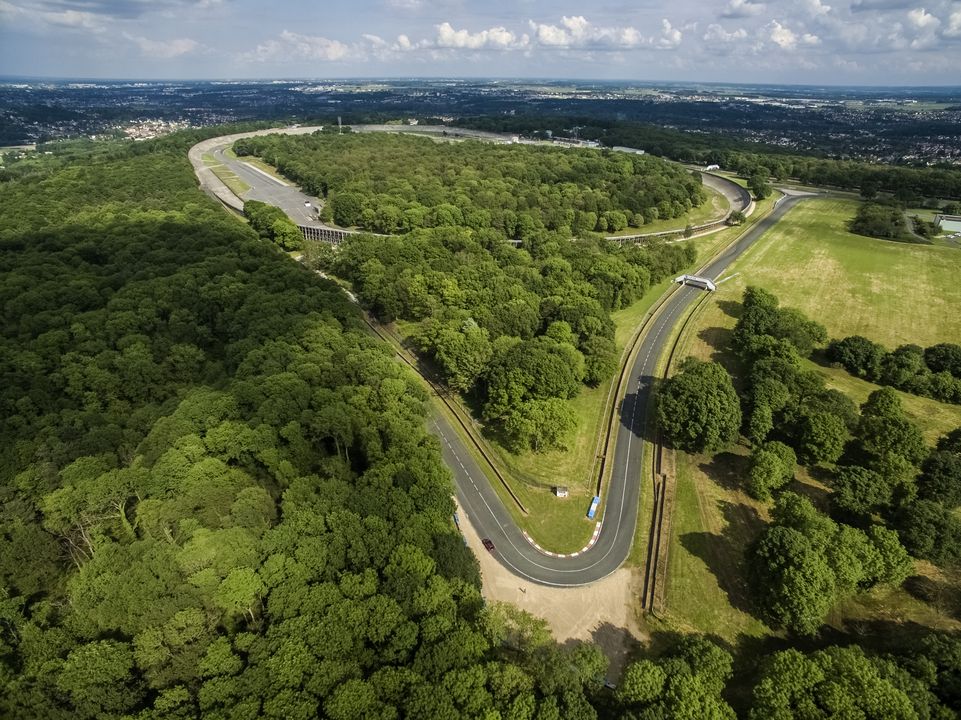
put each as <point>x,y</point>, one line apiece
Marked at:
<point>709,168</point>
<point>948,223</point>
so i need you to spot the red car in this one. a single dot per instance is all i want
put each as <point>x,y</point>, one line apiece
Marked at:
<point>488,543</point>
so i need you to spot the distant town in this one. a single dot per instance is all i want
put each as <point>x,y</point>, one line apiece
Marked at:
<point>890,125</point>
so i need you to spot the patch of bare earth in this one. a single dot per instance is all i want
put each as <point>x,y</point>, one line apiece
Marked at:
<point>602,612</point>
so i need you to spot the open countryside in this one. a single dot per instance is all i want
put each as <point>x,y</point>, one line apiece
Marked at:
<point>340,392</point>
<point>713,516</point>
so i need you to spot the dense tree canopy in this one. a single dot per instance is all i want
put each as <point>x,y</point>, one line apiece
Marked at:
<point>748,159</point>
<point>810,418</point>
<point>218,495</point>
<point>521,329</point>
<point>272,223</point>
<point>772,467</point>
<point>686,683</point>
<point>841,682</point>
<point>397,183</point>
<point>804,563</point>
<point>697,409</point>
<point>880,221</point>
<point>932,372</point>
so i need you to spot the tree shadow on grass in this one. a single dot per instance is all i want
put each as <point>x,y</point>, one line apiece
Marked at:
<point>718,339</point>
<point>818,496</point>
<point>725,553</point>
<point>943,596</point>
<point>728,470</point>
<point>820,358</point>
<point>730,308</point>
<point>879,636</point>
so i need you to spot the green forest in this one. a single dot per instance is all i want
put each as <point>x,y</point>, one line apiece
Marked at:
<point>890,494</point>
<point>933,372</point>
<point>219,499</point>
<point>881,221</point>
<point>907,184</point>
<point>398,183</point>
<point>518,330</point>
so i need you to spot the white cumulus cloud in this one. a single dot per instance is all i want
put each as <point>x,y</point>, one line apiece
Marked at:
<point>922,19</point>
<point>787,39</point>
<point>496,38</point>
<point>926,27</point>
<point>294,46</point>
<point>781,36</point>
<point>954,25</point>
<point>670,36</point>
<point>717,34</point>
<point>572,33</point>
<point>741,9</point>
<point>578,32</point>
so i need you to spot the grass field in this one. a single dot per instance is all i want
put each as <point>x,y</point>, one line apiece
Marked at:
<point>804,261</point>
<point>237,186</point>
<point>261,165</point>
<point>892,293</point>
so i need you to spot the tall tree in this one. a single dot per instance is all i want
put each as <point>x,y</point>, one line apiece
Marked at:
<point>698,409</point>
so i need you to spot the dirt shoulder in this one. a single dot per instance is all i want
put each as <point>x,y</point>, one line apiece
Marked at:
<point>603,612</point>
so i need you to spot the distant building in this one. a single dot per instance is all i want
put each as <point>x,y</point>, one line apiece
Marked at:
<point>948,223</point>
<point>560,491</point>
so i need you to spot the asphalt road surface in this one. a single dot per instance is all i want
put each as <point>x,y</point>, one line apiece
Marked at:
<point>480,501</point>
<point>491,519</point>
<point>266,188</point>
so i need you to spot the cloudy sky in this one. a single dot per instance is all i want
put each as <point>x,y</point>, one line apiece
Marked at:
<point>798,41</point>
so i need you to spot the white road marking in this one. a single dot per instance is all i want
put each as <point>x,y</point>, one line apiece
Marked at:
<point>265,174</point>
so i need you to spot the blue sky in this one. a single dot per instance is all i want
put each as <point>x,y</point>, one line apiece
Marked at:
<point>781,41</point>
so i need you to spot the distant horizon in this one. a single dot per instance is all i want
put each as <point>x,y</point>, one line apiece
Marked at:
<point>847,43</point>
<point>473,78</point>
